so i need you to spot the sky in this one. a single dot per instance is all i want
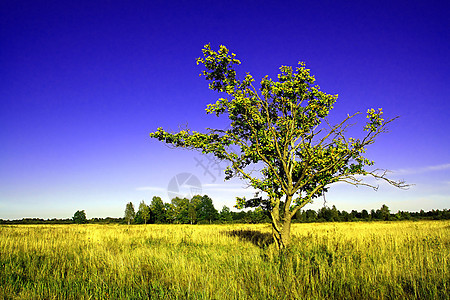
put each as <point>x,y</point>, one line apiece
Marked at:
<point>83,84</point>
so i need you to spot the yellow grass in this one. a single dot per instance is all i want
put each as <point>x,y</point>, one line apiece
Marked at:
<point>398,260</point>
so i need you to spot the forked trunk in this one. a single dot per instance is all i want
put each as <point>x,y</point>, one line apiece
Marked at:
<point>281,224</point>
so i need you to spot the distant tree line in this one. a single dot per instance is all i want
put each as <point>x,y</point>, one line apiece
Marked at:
<point>326,214</point>
<point>55,221</point>
<point>200,210</point>
<point>197,210</point>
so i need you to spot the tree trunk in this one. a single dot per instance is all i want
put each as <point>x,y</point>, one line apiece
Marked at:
<point>281,224</point>
<point>281,233</point>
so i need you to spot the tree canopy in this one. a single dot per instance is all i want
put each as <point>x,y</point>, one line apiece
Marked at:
<point>79,217</point>
<point>144,211</point>
<point>129,212</point>
<point>280,139</point>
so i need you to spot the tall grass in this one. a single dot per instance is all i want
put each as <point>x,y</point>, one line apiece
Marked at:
<point>399,260</point>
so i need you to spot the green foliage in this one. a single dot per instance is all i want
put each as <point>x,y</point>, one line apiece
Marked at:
<point>259,216</point>
<point>79,217</point>
<point>225,215</point>
<point>324,214</point>
<point>181,210</point>
<point>171,215</point>
<point>384,213</point>
<point>129,212</point>
<point>194,206</point>
<point>159,212</point>
<point>144,212</point>
<point>206,210</point>
<point>199,209</point>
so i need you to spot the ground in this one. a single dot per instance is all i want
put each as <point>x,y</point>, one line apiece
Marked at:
<point>375,260</point>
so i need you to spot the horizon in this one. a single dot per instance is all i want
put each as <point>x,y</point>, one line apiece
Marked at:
<point>218,210</point>
<point>83,85</point>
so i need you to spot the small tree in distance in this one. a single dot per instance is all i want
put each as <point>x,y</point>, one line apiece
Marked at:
<point>79,217</point>
<point>145,211</point>
<point>207,213</point>
<point>384,213</point>
<point>280,140</point>
<point>159,212</point>
<point>225,214</point>
<point>129,212</point>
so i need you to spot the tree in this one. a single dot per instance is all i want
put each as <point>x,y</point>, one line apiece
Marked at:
<point>324,213</point>
<point>171,215</point>
<point>279,139</point>
<point>129,213</point>
<point>334,213</point>
<point>138,219</point>
<point>225,215</point>
<point>194,205</point>
<point>311,215</point>
<point>258,216</point>
<point>158,211</point>
<point>206,211</point>
<point>144,211</point>
<point>79,217</point>
<point>384,213</point>
<point>181,210</point>
<point>364,214</point>
<point>346,216</point>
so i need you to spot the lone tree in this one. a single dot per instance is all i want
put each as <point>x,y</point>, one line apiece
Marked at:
<point>280,140</point>
<point>79,217</point>
<point>129,212</point>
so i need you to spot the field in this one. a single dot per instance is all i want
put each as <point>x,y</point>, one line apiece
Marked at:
<point>379,260</point>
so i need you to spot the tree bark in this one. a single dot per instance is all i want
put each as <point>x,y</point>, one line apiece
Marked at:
<point>281,223</point>
<point>281,232</point>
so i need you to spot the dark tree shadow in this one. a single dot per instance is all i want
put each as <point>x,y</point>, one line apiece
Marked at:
<point>260,239</point>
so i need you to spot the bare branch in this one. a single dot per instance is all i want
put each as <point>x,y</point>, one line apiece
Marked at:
<point>336,127</point>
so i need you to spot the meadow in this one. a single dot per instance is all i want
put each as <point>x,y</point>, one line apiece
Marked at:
<point>378,260</point>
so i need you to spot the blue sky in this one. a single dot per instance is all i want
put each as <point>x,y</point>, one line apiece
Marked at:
<point>83,84</point>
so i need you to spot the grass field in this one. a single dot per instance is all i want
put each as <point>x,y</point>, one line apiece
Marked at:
<point>398,260</point>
